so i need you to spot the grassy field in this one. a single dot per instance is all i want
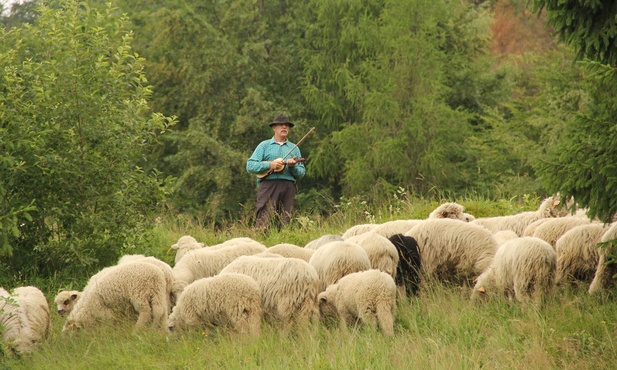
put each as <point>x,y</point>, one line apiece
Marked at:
<point>439,329</point>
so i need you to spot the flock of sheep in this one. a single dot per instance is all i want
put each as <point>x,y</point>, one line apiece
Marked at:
<point>352,278</point>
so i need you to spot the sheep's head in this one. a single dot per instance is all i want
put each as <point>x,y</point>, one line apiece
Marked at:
<point>327,307</point>
<point>65,301</point>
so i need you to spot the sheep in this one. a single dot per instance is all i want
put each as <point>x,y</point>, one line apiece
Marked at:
<point>315,244</point>
<point>554,228</point>
<point>231,301</point>
<point>25,317</point>
<point>503,236</point>
<point>606,267</point>
<point>450,210</point>
<point>119,292</point>
<point>578,254</point>
<point>518,222</point>
<point>410,263</point>
<point>206,262</point>
<point>390,228</point>
<point>165,268</point>
<point>65,301</point>
<point>523,268</point>
<point>292,251</point>
<point>468,217</point>
<point>358,229</point>
<point>531,228</point>
<point>368,296</point>
<point>337,259</point>
<point>380,250</point>
<point>183,245</point>
<point>453,251</point>
<point>289,288</point>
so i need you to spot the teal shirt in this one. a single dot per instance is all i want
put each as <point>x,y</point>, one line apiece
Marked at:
<point>269,150</point>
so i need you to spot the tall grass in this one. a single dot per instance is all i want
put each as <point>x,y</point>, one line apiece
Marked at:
<point>439,329</point>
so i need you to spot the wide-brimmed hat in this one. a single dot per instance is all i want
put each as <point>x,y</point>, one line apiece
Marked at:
<point>281,119</point>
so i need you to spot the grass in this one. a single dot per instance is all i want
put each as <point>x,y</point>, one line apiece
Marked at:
<point>439,329</point>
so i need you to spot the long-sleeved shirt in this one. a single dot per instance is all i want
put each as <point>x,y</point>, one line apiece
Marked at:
<point>269,150</point>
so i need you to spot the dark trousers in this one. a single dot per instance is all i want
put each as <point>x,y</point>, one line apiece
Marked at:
<point>275,198</point>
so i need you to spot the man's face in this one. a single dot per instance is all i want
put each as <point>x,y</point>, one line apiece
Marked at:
<point>281,130</point>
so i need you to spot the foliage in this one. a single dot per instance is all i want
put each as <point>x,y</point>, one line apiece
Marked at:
<point>75,125</point>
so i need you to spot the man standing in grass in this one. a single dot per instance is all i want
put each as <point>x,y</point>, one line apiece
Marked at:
<point>277,163</point>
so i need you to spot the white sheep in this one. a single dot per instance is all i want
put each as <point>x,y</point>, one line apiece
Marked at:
<point>336,259</point>
<point>380,250</point>
<point>523,269</point>
<point>578,254</point>
<point>605,269</point>
<point>358,229</point>
<point>390,228</point>
<point>518,222</point>
<point>289,288</point>
<point>25,317</point>
<point>119,292</point>
<point>184,244</point>
<point>552,229</point>
<point>165,268</point>
<point>368,296</point>
<point>503,236</point>
<point>468,217</point>
<point>209,261</point>
<point>65,301</point>
<point>324,239</point>
<point>453,251</point>
<point>450,210</point>
<point>229,301</point>
<point>531,228</point>
<point>292,251</point>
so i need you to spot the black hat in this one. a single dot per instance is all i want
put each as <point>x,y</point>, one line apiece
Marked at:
<point>281,119</point>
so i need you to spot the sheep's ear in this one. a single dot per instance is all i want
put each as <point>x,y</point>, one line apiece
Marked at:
<point>73,296</point>
<point>481,289</point>
<point>322,297</point>
<point>201,244</point>
<point>174,246</point>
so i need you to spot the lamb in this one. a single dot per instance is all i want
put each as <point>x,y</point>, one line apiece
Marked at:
<point>289,288</point>
<point>368,296</point>
<point>25,317</point>
<point>578,254</point>
<point>337,259</point>
<point>554,228</point>
<point>118,292</point>
<point>165,268</point>
<point>324,239</point>
<point>606,267</point>
<point>380,250</point>
<point>66,300</point>
<point>183,245</point>
<point>523,268</point>
<point>206,262</point>
<point>450,210</point>
<point>390,228</point>
<point>408,268</point>
<point>230,301</point>
<point>358,229</point>
<point>518,222</point>
<point>453,251</point>
<point>292,251</point>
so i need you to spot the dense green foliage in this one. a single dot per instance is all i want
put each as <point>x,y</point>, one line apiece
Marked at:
<point>74,127</point>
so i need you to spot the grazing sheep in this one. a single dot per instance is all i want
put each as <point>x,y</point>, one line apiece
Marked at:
<point>606,267</point>
<point>454,211</point>
<point>368,296</point>
<point>66,300</point>
<point>240,241</point>
<point>292,251</point>
<point>230,301</point>
<point>183,245</point>
<point>164,266</point>
<point>289,288</point>
<point>390,228</point>
<point>523,268</point>
<point>518,222</point>
<point>408,269</point>
<point>206,262</point>
<point>25,317</point>
<point>554,228</point>
<point>337,259</point>
<point>578,254</point>
<point>358,229</point>
<point>324,239</point>
<point>503,236</point>
<point>380,250</point>
<point>122,292</point>
<point>453,251</point>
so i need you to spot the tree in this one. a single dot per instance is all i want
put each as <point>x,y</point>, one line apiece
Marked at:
<point>74,128</point>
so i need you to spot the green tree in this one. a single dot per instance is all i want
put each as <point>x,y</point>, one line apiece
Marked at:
<point>74,128</point>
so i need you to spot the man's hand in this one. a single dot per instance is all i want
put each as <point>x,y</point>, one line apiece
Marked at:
<point>292,162</point>
<point>277,165</point>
